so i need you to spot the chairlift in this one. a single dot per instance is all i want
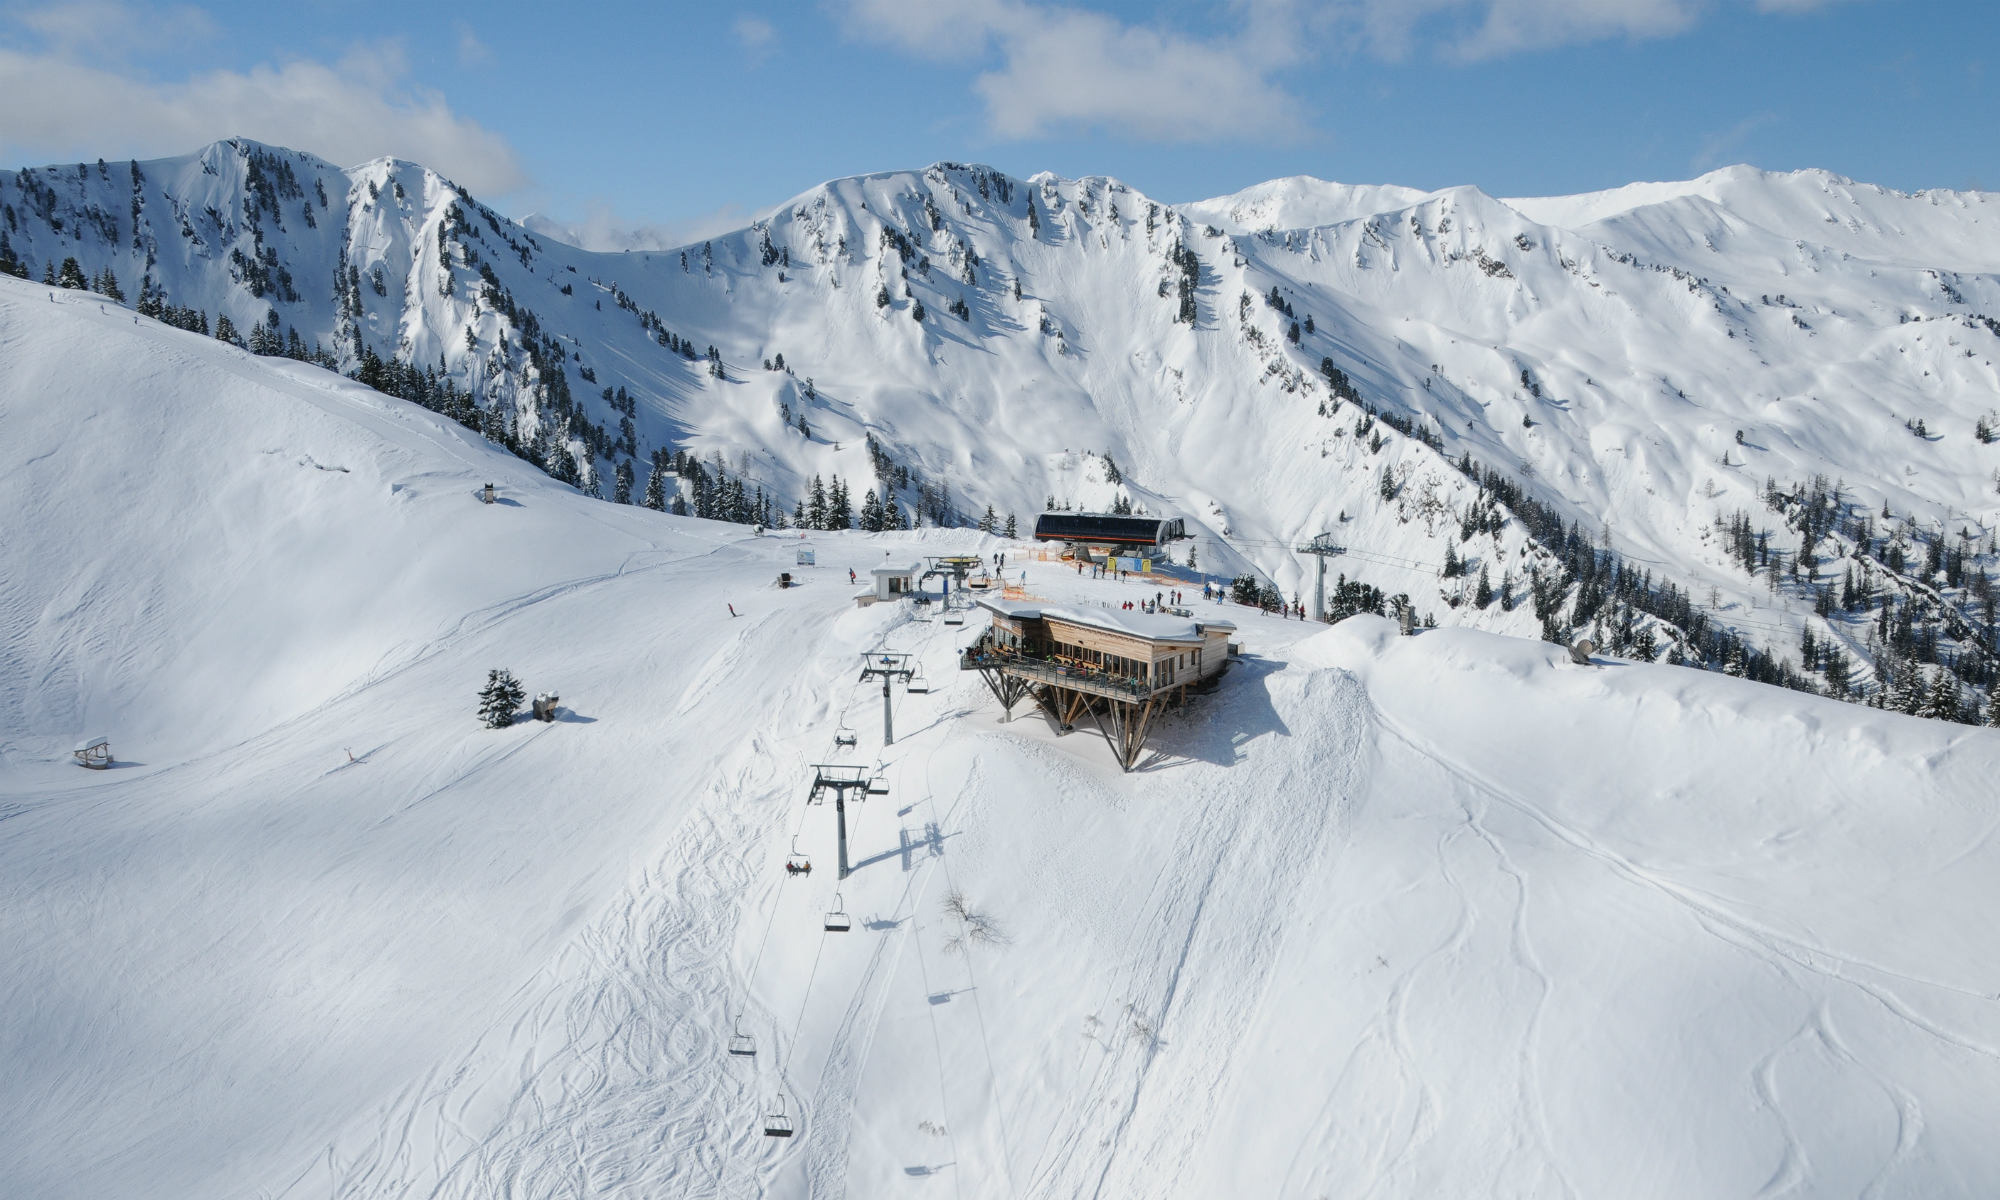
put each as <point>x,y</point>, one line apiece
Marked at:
<point>742,1044</point>
<point>776,1123</point>
<point>878,786</point>
<point>954,616</point>
<point>917,683</point>
<point>798,862</point>
<point>837,920</point>
<point>843,736</point>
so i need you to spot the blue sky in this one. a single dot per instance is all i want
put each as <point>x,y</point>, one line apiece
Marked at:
<point>686,119</point>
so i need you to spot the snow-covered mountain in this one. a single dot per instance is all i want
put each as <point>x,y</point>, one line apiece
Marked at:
<point>1748,420</point>
<point>1401,917</point>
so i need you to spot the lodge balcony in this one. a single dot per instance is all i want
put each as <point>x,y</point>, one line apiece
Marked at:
<point>986,654</point>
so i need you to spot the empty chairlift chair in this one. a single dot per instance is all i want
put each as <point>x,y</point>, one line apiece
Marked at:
<point>837,920</point>
<point>742,1044</point>
<point>776,1123</point>
<point>917,682</point>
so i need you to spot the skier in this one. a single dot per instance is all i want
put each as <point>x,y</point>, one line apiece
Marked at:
<point>850,576</point>
<point>732,610</point>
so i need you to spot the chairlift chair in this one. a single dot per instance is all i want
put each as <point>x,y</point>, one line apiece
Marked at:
<point>798,862</point>
<point>742,1044</point>
<point>878,786</point>
<point>837,920</point>
<point>843,736</point>
<point>776,1123</point>
<point>917,683</point>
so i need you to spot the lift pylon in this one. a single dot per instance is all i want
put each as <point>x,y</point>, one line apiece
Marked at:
<point>840,779</point>
<point>888,666</point>
<point>1322,547</point>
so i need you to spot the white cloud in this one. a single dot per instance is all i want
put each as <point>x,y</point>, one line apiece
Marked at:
<point>1512,26</point>
<point>1063,66</point>
<point>755,33</point>
<point>360,107</point>
<point>471,51</point>
<point>1725,143</point>
<point>601,229</point>
<point>113,28</point>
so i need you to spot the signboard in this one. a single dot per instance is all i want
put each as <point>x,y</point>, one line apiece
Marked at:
<point>806,557</point>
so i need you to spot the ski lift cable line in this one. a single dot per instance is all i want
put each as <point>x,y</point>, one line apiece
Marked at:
<point>978,1009</point>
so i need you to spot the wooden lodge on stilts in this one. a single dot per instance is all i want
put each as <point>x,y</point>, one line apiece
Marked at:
<point>1116,666</point>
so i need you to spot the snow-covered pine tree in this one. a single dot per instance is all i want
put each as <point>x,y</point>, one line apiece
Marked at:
<point>500,698</point>
<point>1013,526</point>
<point>621,491</point>
<point>871,512</point>
<point>840,510</point>
<point>71,276</point>
<point>987,522</point>
<point>892,513</point>
<point>656,490</point>
<point>1942,702</point>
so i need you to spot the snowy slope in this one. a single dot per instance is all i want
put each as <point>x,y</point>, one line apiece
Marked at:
<point>1441,915</point>
<point>1645,364</point>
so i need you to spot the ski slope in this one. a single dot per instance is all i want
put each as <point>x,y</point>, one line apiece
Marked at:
<point>1441,915</point>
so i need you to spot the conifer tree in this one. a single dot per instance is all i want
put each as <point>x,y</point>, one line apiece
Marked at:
<point>656,490</point>
<point>621,492</point>
<point>1483,594</point>
<point>225,330</point>
<point>499,699</point>
<point>892,513</point>
<point>72,276</point>
<point>815,514</point>
<point>839,511</point>
<point>1942,702</point>
<point>1013,526</point>
<point>871,512</point>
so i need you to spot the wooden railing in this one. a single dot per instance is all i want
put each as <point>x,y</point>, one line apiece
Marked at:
<point>985,654</point>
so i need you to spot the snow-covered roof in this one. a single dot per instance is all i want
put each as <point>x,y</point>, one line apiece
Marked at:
<point>912,569</point>
<point>92,743</point>
<point>1157,627</point>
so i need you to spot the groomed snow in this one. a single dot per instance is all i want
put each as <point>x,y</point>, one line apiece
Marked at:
<point>1431,916</point>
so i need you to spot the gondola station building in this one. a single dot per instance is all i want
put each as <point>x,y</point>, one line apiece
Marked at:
<point>1116,666</point>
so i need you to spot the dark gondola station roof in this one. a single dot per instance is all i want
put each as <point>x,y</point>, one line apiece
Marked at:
<point>1106,528</point>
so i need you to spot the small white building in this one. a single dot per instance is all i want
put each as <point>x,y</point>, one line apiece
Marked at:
<point>893,583</point>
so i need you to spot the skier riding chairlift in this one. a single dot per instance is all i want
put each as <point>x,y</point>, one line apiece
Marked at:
<point>797,862</point>
<point>843,736</point>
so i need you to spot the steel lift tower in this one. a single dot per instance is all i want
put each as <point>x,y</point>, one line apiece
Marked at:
<point>1322,547</point>
<point>888,666</point>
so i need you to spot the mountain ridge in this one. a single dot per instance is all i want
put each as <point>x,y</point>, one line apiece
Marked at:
<point>961,339</point>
